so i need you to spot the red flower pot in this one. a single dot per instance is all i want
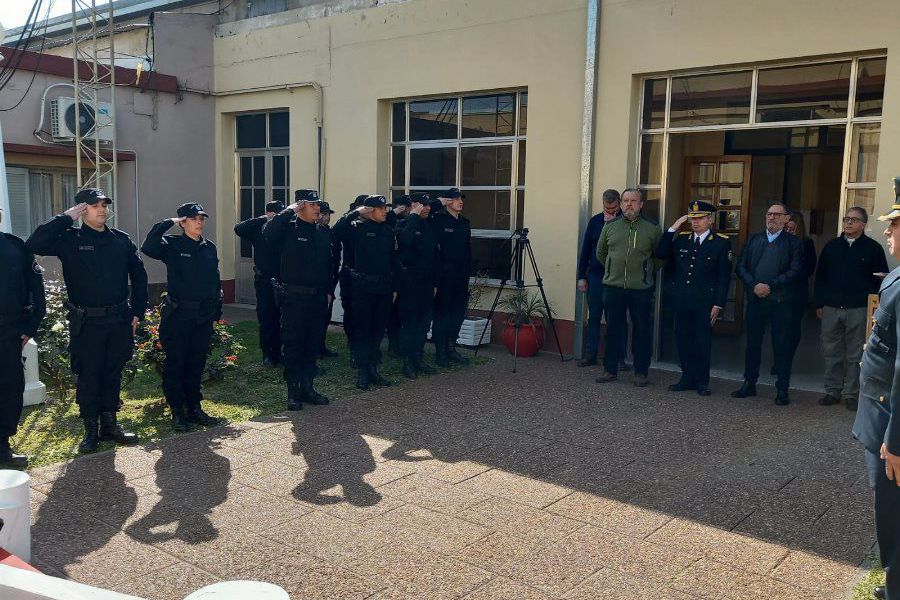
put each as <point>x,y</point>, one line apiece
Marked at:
<point>531,337</point>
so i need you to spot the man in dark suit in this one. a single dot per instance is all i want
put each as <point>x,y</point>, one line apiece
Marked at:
<point>877,424</point>
<point>696,287</point>
<point>769,267</point>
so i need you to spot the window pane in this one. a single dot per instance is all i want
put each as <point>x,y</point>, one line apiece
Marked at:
<point>870,87</point>
<point>251,131</point>
<point>432,166</point>
<point>703,173</point>
<point>489,116</point>
<point>654,115</point>
<point>703,193</point>
<point>864,198</point>
<point>398,165</point>
<point>40,198</point>
<point>651,159</point>
<point>487,165</point>
<point>259,170</point>
<point>433,119</point>
<point>259,201</point>
<point>279,194</point>
<point>864,153</point>
<point>520,209</point>
<point>246,171</point>
<point>651,204</point>
<point>487,209</point>
<point>491,256</point>
<point>279,130</point>
<point>800,93</point>
<point>69,184</point>
<point>279,171</point>
<point>731,172</point>
<point>398,122</point>
<point>717,99</point>
<point>731,196</point>
<point>246,211</point>
<point>523,113</point>
<point>522,162</point>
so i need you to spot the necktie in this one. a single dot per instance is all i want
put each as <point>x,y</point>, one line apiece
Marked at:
<point>696,242</point>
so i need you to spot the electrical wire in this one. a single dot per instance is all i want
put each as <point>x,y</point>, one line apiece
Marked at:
<point>35,70</point>
<point>10,67</point>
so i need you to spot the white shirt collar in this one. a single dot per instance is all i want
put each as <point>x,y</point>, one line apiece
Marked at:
<point>773,236</point>
<point>702,236</point>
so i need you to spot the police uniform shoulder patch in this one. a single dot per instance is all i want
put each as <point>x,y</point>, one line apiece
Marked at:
<point>723,236</point>
<point>685,232</point>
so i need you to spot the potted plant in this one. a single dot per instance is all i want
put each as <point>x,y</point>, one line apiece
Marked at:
<point>475,328</point>
<point>525,313</point>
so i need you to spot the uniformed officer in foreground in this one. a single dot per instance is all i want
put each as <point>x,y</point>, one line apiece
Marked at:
<point>877,424</point>
<point>325,212</point>
<point>417,246</point>
<point>97,264</point>
<point>306,282</point>
<point>345,250</point>
<point>187,313</point>
<point>374,284</point>
<point>22,307</point>
<point>696,287</point>
<point>454,238</point>
<point>265,268</point>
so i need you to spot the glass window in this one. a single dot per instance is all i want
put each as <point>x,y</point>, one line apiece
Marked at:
<point>864,197</point>
<point>864,152</point>
<point>520,209</point>
<point>398,165</point>
<point>717,99</point>
<point>731,172</point>
<point>870,87</point>
<point>279,170</point>
<point>651,159</point>
<point>432,166</point>
<point>521,162</point>
<point>492,256</point>
<point>251,131</point>
<point>398,122</point>
<point>246,171</point>
<point>488,209</point>
<point>433,119</point>
<point>805,92</point>
<point>489,116</point>
<point>654,116</point>
<point>651,204</point>
<point>487,165</point>
<point>259,170</point>
<point>279,130</point>
<point>523,113</point>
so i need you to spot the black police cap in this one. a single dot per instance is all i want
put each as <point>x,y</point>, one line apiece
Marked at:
<point>375,201</point>
<point>92,196</point>
<point>325,207</point>
<point>358,201</point>
<point>306,196</point>
<point>274,206</point>
<point>420,197</point>
<point>699,208</point>
<point>453,193</point>
<point>403,200</point>
<point>191,209</point>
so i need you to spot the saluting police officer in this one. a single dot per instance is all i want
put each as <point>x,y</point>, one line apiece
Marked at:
<point>877,424</point>
<point>306,283</point>
<point>344,245</point>
<point>374,284</point>
<point>97,264</point>
<point>417,245</point>
<point>454,237</point>
<point>22,307</point>
<point>699,274</point>
<point>325,212</point>
<point>193,302</point>
<point>396,217</point>
<point>265,269</point>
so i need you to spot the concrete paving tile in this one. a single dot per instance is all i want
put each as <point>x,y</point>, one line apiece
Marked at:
<point>432,493</point>
<point>250,438</point>
<point>609,514</point>
<point>501,553</point>
<point>269,476</point>
<point>229,552</point>
<point>612,585</point>
<point>266,422</point>
<point>501,588</point>
<point>359,505</point>
<point>520,520</point>
<point>456,472</point>
<point>516,487</point>
<point>173,582</point>
<point>311,579</point>
<point>815,573</point>
<point>319,534</point>
<point>435,530</point>
<point>709,579</point>
<point>256,510</point>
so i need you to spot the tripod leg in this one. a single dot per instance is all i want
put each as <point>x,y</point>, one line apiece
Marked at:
<point>540,285</point>
<point>516,353</point>
<point>490,316</point>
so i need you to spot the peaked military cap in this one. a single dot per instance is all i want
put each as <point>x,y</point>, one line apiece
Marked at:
<point>191,209</point>
<point>306,196</point>
<point>92,196</point>
<point>698,208</point>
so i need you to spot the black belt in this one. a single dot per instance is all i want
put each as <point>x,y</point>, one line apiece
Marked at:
<point>194,304</point>
<point>371,278</point>
<point>302,290</point>
<point>93,312</point>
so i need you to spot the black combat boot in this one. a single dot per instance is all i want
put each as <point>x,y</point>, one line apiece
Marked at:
<point>455,356</point>
<point>409,368</point>
<point>440,355</point>
<point>362,379</point>
<point>179,420</point>
<point>294,396</point>
<point>110,431</point>
<point>747,390</point>
<point>588,360</point>
<point>91,436</point>
<point>10,458</point>
<point>375,377</point>
<point>310,394</point>
<point>422,366</point>
<point>196,414</point>
<point>782,398</point>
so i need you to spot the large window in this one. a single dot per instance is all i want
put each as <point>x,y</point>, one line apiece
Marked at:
<point>38,193</point>
<point>473,142</point>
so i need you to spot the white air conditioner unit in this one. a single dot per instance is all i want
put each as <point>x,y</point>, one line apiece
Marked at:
<point>63,115</point>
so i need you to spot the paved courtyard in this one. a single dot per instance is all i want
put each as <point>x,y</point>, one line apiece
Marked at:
<point>480,484</point>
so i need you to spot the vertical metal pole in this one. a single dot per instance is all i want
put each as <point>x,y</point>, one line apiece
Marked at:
<point>114,180</point>
<point>95,82</point>
<point>77,95</point>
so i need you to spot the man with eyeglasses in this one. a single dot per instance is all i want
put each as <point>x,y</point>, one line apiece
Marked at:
<point>769,267</point>
<point>846,275</point>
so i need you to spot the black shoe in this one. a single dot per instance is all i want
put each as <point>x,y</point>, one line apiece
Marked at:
<point>747,390</point>
<point>268,362</point>
<point>424,367</point>
<point>294,397</point>
<point>375,377</point>
<point>606,377</point>
<point>310,395</point>
<point>781,398</point>
<point>91,440</point>
<point>624,366</point>
<point>880,592</point>
<point>327,352</point>
<point>588,360</point>
<point>195,414</point>
<point>179,420</point>
<point>852,404</point>
<point>409,369</point>
<point>110,431</point>
<point>10,458</point>
<point>681,385</point>
<point>362,379</point>
<point>703,390</point>
<point>640,380</point>
<point>829,400</point>
<point>440,358</point>
<point>456,357</point>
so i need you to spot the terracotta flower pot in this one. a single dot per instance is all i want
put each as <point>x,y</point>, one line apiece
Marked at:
<point>531,337</point>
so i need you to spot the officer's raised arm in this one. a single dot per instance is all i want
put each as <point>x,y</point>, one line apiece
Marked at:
<point>44,241</point>
<point>275,229</point>
<point>137,274</point>
<point>249,228</point>
<point>155,245</point>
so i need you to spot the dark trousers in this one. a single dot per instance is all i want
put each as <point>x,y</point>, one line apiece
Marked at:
<point>595,315</point>
<point>302,316</point>
<point>371,311</point>
<point>449,309</point>
<point>393,328</point>
<point>779,316</point>
<point>269,316</point>
<point>693,335</point>
<point>887,522</point>
<point>12,381</point>
<point>415,305</point>
<point>638,306</point>
<point>798,309</point>
<point>185,339</point>
<point>346,281</point>
<point>325,323</point>
<point>97,355</point>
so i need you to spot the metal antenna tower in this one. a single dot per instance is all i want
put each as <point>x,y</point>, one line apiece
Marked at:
<point>94,80</point>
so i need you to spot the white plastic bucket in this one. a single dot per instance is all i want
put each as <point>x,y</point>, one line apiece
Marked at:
<point>240,590</point>
<point>15,511</point>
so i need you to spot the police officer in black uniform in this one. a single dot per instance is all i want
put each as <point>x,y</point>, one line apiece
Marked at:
<point>22,307</point>
<point>265,268</point>
<point>396,217</point>
<point>193,302</point>
<point>374,284</point>
<point>877,424</point>
<point>417,245</point>
<point>697,281</point>
<point>97,264</point>
<point>344,245</point>
<point>306,282</point>
<point>454,237</point>
<point>325,212</point>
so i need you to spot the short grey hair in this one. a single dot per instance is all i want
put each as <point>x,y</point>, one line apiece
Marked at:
<point>864,215</point>
<point>633,191</point>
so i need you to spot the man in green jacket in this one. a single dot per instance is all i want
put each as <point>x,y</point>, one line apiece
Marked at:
<point>627,249</point>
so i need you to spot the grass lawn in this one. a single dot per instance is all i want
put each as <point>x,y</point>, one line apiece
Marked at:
<point>873,579</point>
<point>51,432</point>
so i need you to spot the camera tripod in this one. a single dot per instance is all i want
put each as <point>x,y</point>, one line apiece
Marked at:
<point>521,249</point>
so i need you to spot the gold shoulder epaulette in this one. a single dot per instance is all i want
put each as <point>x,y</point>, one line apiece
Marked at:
<point>723,236</point>
<point>685,232</point>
